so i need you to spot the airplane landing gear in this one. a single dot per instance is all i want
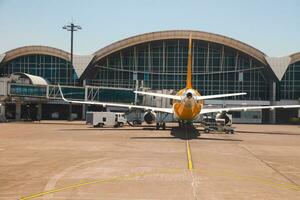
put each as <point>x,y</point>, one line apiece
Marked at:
<point>180,124</point>
<point>183,124</point>
<point>162,125</point>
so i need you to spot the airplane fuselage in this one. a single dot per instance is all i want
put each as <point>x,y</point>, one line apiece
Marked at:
<point>188,108</point>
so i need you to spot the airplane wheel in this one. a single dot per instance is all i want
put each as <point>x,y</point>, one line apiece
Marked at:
<point>134,123</point>
<point>180,124</point>
<point>100,125</point>
<point>157,126</point>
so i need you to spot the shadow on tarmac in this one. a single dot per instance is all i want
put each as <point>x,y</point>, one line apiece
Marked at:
<point>186,133</point>
<point>183,133</point>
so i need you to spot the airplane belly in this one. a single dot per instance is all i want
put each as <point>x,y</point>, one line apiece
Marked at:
<point>187,111</point>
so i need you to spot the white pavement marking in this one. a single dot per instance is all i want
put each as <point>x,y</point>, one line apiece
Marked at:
<point>194,186</point>
<point>52,182</point>
<point>190,164</point>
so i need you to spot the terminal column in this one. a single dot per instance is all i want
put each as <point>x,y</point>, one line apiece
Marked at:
<point>273,116</point>
<point>84,107</point>
<point>299,110</point>
<point>2,112</point>
<point>273,103</point>
<point>39,111</point>
<point>18,110</point>
<point>83,111</point>
<point>70,111</point>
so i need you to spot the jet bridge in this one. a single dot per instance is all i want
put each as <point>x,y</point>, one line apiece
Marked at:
<point>24,96</point>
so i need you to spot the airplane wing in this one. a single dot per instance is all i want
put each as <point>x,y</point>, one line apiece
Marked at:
<point>245,108</point>
<point>219,96</point>
<point>155,109</point>
<point>169,96</point>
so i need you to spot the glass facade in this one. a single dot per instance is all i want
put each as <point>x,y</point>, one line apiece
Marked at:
<point>162,65</point>
<point>111,95</point>
<point>54,69</point>
<point>28,90</point>
<point>73,93</point>
<point>290,82</point>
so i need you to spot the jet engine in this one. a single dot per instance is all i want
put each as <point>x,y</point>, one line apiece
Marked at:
<point>150,117</point>
<point>224,116</point>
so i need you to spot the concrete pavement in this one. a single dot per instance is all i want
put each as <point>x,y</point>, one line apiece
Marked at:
<point>73,161</point>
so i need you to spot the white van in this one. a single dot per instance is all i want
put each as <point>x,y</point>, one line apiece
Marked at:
<point>100,119</point>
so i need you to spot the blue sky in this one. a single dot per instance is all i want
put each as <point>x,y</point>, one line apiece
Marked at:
<point>272,26</point>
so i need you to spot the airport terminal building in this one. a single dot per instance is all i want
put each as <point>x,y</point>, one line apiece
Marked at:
<point>153,61</point>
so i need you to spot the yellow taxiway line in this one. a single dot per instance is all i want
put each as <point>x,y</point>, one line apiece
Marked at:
<point>189,156</point>
<point>213,173</point>
<point>112,179</point>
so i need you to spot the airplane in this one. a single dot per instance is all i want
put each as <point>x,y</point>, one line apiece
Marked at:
<point>188,104</point>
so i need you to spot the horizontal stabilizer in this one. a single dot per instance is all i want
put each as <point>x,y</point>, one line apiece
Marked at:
<point>169,96</point>
<point>219,96</point>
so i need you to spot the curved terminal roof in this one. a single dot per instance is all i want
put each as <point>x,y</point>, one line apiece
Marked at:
<point>278,65</point>
<point>181,34</point>
<point>27,50</point>
<point>295,57</point>
<point>34,80</point>
<point>2,57</point>
<point>80,62</point>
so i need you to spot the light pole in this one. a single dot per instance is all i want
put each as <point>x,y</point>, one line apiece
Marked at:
<point>72,27</point>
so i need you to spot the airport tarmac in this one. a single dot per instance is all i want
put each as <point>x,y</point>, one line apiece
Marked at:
<point>56,160</point>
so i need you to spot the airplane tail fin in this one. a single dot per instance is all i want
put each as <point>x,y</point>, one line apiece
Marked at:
<point>189,65</point>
